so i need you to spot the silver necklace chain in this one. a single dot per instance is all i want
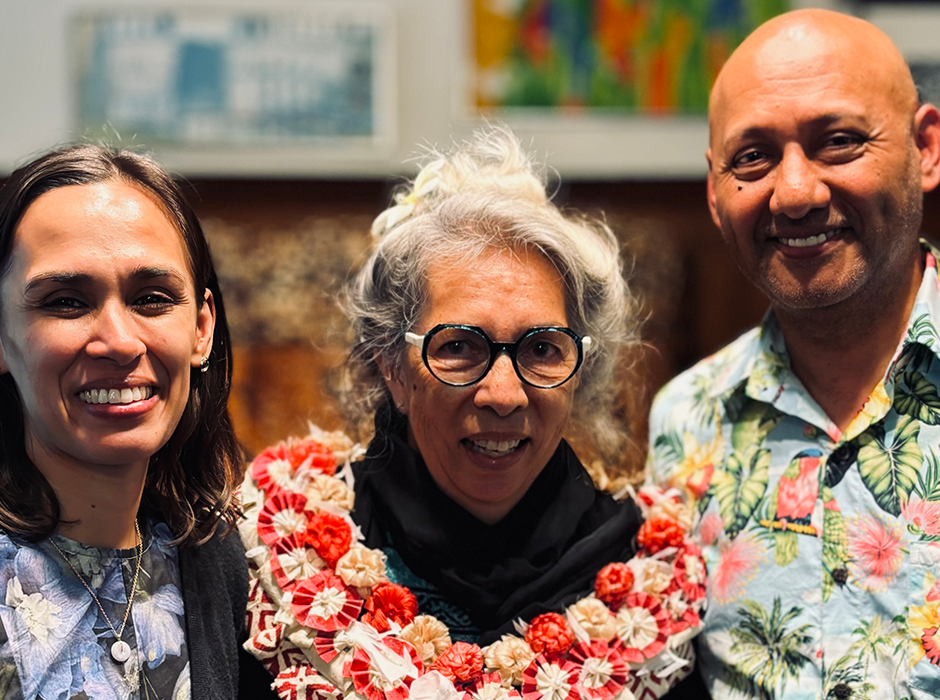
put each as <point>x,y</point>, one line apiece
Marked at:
<point>120,650</point>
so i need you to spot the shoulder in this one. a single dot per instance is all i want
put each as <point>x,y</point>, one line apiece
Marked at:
<point>224,550</point>
<point>217,565</point>
<point>682,418</point>
<point>707,379</point>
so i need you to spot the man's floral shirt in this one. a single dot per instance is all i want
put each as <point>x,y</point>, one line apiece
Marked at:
<point>823,547</point>
<point>54,642</point>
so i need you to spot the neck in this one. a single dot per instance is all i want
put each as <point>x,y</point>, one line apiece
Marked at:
<point>840,353</point>
<point>99,503</point>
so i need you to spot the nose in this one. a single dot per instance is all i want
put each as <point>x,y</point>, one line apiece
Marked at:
<point>501,389</point>
<point>798,187</point>
<point>115,335</point>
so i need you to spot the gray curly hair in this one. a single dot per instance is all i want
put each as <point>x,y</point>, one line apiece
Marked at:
<point>487,193</point>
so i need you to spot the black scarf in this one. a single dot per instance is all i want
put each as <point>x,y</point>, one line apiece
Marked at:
<point>542,556</point>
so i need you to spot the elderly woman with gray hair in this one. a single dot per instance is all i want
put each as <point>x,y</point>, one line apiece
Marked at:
<point>488,325</point>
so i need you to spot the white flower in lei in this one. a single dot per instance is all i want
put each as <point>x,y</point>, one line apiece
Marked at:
<point>594,618</point>
<point>361,567</point>
<point>429,637</point>
<point>595,673</point>
<point>286,522</point>
<point>636,627</point>
<point>552,682</point>
<point>510,656</point>
<point>652,575</point>
<point>328,602</point>
<point>37,613</point>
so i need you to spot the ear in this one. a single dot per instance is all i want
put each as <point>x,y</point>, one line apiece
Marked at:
<point>396,387</point>
<point>205,330</point>
<point>710,183</point>
<point>927,136</point>
<point>3,365</point>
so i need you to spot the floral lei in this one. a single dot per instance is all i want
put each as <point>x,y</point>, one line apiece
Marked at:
<point>326,622</point>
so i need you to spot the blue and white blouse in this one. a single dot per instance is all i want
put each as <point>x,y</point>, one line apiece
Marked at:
<point>56,645</point>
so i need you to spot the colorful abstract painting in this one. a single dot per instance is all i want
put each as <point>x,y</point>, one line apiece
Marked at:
<point>641,56</point>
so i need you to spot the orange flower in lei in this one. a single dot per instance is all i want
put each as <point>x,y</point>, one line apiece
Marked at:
<point>390,602</point>
<point>461,663</point>
<point>549,634</point>
<point>613,583</point>
<point>330,536</point>
<point>316,456</point>
<point>657,534</point>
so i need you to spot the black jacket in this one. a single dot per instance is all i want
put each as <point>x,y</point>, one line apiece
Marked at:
<point>215,595</point>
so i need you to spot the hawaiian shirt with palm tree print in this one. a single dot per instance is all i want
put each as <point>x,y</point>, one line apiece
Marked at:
<point>823,547</point>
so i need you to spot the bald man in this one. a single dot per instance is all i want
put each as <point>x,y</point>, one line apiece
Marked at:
<point>812,443</point>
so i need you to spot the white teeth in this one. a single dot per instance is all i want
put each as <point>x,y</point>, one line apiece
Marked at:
<point>809,240</point>
<point>494,448</point>
<point>116,396</point>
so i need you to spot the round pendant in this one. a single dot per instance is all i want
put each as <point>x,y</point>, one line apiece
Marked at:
<point>121,651</point>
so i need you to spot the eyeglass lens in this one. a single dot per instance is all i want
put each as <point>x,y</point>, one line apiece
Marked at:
<point>460,356</point>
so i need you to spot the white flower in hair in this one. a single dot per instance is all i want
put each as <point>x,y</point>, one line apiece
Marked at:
<point>427,182</point>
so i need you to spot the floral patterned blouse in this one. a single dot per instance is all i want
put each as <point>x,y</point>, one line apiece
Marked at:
<point>823,546</point>
<point>54,642</point>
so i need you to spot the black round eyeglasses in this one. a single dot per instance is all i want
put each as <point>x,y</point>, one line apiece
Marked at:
<point>543,357</point>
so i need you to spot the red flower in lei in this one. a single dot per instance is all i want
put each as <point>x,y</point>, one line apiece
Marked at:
<point>603,671</point>
<point>551,679</point>
<point>931,645</point>
<point>282,515</point>
<point>374,685</point>
<point>324,602</point>
<point>276,466</point>
<point>613,584</point>
<point>461,663</point>
<point>690,571</point>
<point>313,455</point>
<point>657,534</point>
<point>302,681</point>
<point>549,634</point>
<point>489,686</point>
<point>390,602</point>
<point>329,535</point>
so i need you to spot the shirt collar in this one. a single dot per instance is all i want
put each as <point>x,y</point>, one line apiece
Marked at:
<point>759,359</point>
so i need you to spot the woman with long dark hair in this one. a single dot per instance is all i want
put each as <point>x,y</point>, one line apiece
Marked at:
<point>118,464</point>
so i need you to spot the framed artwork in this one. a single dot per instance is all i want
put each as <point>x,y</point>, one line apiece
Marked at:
<point>220,78</point>
<point>644,57</point>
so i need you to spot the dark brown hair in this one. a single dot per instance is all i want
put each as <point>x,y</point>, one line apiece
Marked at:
<point>192,479</point>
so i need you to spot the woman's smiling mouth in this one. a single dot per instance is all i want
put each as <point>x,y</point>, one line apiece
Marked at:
<point>494,448</point>
<point>116,396</point>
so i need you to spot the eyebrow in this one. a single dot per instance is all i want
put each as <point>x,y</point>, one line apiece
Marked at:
<point>754,132</point>
<point>81,279</point>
